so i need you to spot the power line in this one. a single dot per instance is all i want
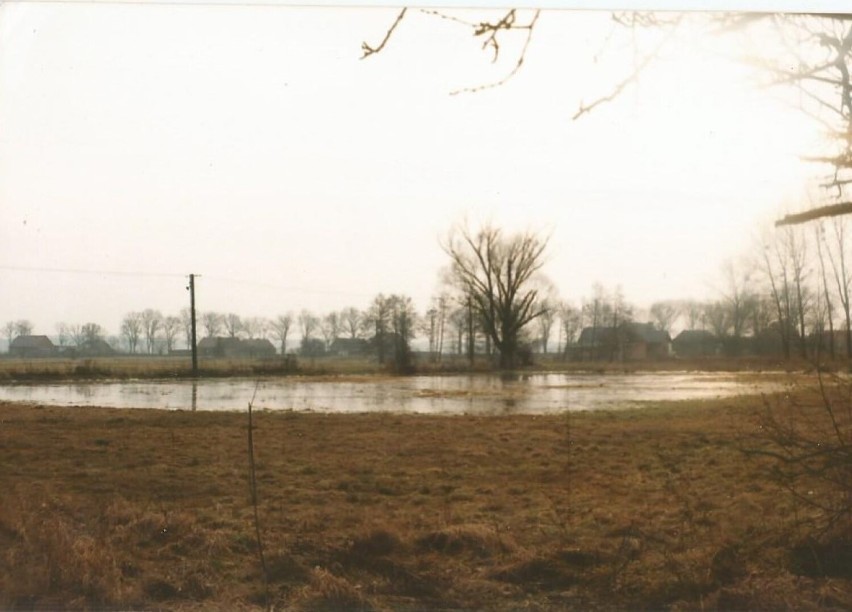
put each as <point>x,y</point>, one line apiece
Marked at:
<point>290,288</point>
<point>131,274</point>
<point>94,272</point>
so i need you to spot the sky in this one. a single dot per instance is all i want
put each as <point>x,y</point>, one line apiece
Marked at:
<point>252,145</point>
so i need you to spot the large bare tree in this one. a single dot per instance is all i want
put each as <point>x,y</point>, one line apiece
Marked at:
<point>498,272</point>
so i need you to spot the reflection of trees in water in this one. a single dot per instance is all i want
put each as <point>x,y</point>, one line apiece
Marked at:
<point>509,377</point>
<point>509,406</point>
<point>510,393</point>
<point>85,390</point>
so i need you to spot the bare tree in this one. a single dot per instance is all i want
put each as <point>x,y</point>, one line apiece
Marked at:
<point>171,327</point>
<point>350,319</point>
<point>62,333</point>
<point>718,319</point>
<point>212,322</point>
<point>442,305</point>
<point>186,323</point>
<point>621,313</point>
<point>330,327</point>
<point>403,322</point>
<point>826,300</point>
<point>842,273</point>
<point>255,327</point>
<point>281,327</point>
<point>597,312</point>
<point>75,332</point>
<point>571,319</point>
<point>23,327</point>
<point>377,318</point>
<point>90,335</point>
<point>233,324</point>
<point>546,320</point>
<point>664,314</point>
<point>9,330</point>
<point>784,260</point>
<point>737,300</point>
<point>693,311</point>
<point>761,313</point>
<point>131,329</point>
<point>308,323</point>
<point>151,323</point>
<point>457,320</point>
<point>430,326</point>
<point>498,273</point>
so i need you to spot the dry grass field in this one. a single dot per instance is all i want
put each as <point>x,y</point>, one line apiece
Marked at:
<point>658,508</point>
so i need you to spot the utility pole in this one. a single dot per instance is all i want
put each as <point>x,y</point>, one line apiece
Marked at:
<point>192,324</point>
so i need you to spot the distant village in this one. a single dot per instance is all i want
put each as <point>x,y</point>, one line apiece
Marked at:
<point>629,341</point>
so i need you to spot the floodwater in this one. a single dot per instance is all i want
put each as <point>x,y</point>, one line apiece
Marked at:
<point>458,394</point>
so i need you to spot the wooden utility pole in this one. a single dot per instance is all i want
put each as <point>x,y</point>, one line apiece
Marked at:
<point>192,324</point>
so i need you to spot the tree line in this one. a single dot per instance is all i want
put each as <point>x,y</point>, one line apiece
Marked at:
<point>791,293</point>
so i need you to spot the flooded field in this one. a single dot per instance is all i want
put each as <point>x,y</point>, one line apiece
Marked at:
<point>477,394</point>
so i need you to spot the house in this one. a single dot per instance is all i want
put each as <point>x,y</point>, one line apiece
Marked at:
<point>348,347</point>
<point>214,346</point>
<point>32,346</point>
<point>94,347</point>
<point>235,348</point>
<point>626,342</point>
<point>696,343</point>
<point>257,348</point>
<point>650,342</point>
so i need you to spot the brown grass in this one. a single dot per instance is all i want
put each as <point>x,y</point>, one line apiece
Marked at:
<point>136,367</point>
<point>154,367</point>
<point>656,508</point>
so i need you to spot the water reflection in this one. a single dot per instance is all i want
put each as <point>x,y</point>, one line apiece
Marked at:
<point>516,394</point>
<point>84,390</point>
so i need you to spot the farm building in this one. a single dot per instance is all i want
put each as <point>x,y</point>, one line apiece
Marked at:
<point>32,346</point>
<point>626,342</point>
<point>696,343</point>
<point>235,348</point>
<point>348,347</point>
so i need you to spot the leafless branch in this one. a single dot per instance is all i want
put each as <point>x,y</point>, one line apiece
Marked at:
<point>507,22</point>
<point>370,50</point>
<point>816,213</point>
<point>447,17</point>
<point>640,68</point>
<point>529,27</point>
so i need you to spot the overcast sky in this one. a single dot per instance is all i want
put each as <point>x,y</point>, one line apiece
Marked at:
<point>252,145</point>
